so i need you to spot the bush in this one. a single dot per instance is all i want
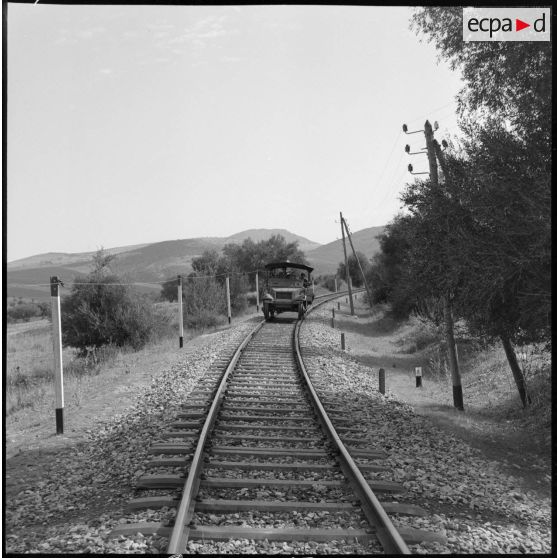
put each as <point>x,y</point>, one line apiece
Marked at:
<point>23,311</point>
<point>99,313</point>
<point>100,310</point>
<point>327,282</point>
<point>205,300</point>
<point>204,319</point>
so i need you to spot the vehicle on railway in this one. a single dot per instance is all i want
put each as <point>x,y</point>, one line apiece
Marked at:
<point>288,287</point>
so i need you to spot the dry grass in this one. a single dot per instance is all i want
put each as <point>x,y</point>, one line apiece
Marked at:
<point>489,390</point>
<point>30,365</point>
<point>30,362</point>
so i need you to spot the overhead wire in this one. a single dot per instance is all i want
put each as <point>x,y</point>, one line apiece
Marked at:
<point>137,283</point>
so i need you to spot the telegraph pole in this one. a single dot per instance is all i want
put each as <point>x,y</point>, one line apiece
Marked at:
<point>358,261</point>
<point>347,267</point>
<point>431,145</point>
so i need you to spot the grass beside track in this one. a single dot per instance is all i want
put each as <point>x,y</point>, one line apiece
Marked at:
<point>93,388</point>
<point>494,419</point>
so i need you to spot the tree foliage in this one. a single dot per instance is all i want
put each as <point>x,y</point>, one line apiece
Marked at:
<point>505,237</point>
<point>204,289</point>
<point>354,268</point>
<point>510,80</point>
<point>100,310</point>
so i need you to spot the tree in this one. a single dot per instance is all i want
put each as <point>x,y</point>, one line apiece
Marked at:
<point>251,256</point>
<point>506,254</point>
<point>207,263</point>
<point>354,269</point>
<point>500,184</point>
<point>508,80</point>
<point>101,310</point>
<point>239,262</point>
<point>391,273</point>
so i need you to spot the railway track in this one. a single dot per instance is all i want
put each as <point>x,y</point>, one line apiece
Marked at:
<point>254,455</point>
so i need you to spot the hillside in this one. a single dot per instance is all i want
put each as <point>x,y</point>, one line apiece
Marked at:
<point>263,234</point>
<point>325,259</point>
<point>65,259</point>
<point>158,261</point>
<point>147,263</point>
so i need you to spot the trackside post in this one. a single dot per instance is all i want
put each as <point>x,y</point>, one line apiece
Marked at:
<point>228,298</point>
<point>418,376</point>
<point>180,315</point>
<point>382,381</point>
<point>257,293</point>
<point>57,345</point>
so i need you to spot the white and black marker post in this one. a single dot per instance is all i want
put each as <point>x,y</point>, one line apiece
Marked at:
<point>257,293</point>
<point>180,315</point>
<point>418,376</point>
<point>57,345</point>
<point>228,298</point>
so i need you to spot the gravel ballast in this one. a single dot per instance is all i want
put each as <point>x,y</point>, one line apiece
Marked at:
<point>477,507</point>
<point>83,494</point>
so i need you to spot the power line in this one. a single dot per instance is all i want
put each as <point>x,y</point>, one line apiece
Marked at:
<point>136,283</point>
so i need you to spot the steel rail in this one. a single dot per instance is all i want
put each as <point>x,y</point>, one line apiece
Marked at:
<point>387,534</point>
<point>180,532</point>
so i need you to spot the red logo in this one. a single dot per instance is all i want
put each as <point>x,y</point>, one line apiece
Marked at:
<point>519,25</point>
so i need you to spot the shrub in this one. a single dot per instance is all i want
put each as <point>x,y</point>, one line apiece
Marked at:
<point>327,282</point>
<point>100,310</point>
<point>204,298</point>
<point>204,319</point>
<point>23,311</point>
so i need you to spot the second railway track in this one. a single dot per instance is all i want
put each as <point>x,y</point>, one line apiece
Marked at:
<point>253,455</point>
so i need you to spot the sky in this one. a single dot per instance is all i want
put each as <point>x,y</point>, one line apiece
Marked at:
<point>138,124</point>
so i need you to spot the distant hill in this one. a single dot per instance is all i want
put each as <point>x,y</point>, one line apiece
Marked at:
<point>263,234</point>
<point>325,259</point>
<point>147,263</point>
<point>64,259</point>
<point>159,261</point>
